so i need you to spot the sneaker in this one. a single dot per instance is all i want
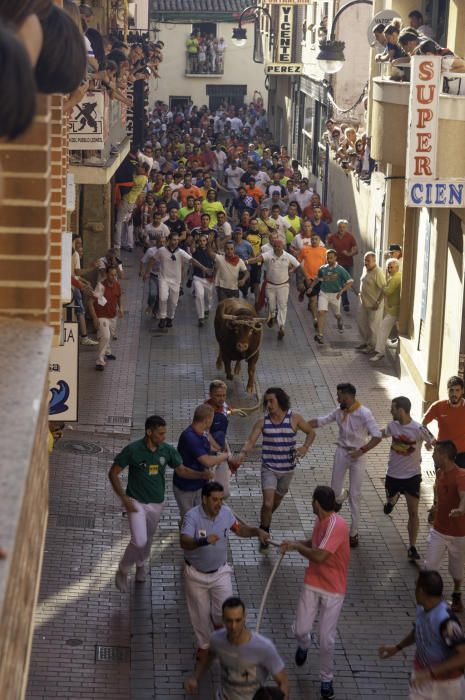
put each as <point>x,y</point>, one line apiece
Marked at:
<point>362,346</point>
<point>340,325</point>
<point>121,581</point>
<point>99,368</point>
<point>353,541</point>
<point>319,339</point>
<point>141,573</point>
<point>110,357</point>
<point>389,507</point>
<point>162,323</point>
<point>413,554</point>
<point>85,340</point>
<point>327,690</point>
<point>301,656</point>
<point>368,350</point>
<point>281,333</point>
<point>456,603</point>
<point>169,322</point>
<point>376,357</point>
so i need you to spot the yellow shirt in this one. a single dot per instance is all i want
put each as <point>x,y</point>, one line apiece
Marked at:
<point>212,208</point>
<point>392,294</point>
<point>139,183</point>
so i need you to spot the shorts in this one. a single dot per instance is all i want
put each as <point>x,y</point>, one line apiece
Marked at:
<point>327,299</point>
<point>411,486</point>
<point>255,274</point>
<point>275,481</point>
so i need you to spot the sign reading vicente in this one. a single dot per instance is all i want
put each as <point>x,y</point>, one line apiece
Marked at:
<point>423,188</point>
<point>284,68</point>
<point>63,376</point>
<point>284,44</point>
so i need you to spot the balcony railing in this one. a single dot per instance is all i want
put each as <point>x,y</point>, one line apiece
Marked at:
<point>212,66</point>
<point>97,129</point>
<point>453,83</point>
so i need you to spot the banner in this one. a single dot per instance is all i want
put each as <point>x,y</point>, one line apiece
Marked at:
<point>285,32</point>
<point>86,124</point>
<point>63,376</point>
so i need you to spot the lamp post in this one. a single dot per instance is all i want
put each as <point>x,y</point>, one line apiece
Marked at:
<point>239,33</point>
<point>331,57</point>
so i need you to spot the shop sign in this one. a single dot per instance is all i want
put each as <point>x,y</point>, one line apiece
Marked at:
<point>63,376</point>
<point>287,2</point>
<point>285,32</point>
<point>86,124</point>
<point>284,68</point>
<point>423,188</point>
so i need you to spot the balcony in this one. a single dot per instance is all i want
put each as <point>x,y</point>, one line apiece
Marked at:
<point>390,122</point>
<point>98,141</point>
<point>212,67</point>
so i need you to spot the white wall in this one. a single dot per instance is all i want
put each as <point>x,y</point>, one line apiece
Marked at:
<point>239,68</point>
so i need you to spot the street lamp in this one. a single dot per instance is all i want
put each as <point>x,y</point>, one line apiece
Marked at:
<point>239,34</point>
<point>331,57</point>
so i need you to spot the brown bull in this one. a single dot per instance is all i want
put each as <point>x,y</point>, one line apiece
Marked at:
<point>239,333</point>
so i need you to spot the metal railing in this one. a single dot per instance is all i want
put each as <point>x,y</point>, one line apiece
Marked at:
<point>212,65</point>
<point>453,83</point>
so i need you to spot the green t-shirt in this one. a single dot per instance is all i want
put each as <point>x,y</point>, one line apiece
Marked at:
<point>183,212</point>
<point>146,479</point>
<point>333,278</point>
<point>296,224</point>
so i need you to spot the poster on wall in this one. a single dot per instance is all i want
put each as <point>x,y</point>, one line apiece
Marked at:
<point>86,124</point>
<point>63,377</point>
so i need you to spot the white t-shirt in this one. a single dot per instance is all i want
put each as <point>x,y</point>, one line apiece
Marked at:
<point>303,199</point>
<point>220,158</point>
<point>150,254</point>
<point>234,177</point>
<point>282,225</point>
<point>300,241</point>
<point>405,453</point>
<point>227,275</point>
<point>171,270</point>
<point>236,124</point>
<point>277,267</point>
<point>75,262</point>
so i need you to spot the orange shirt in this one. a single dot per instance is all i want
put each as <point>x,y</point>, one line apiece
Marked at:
<point>332,535</point>
<point>255,192</point>
<point>451,422</point>
<point>313,259</point>
<point>186,192</point>
<point>448,485</point>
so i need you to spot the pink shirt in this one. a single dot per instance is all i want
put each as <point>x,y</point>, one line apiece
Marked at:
<point>332,535</point>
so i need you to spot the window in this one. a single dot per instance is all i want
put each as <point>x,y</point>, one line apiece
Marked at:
<point>205,28</point>
<point>176,102</point>
<point>455,235</point>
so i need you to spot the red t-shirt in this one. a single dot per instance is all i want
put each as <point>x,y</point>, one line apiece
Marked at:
<point>325,213</point>
<point>448,485</point>
<point>332,535</point>
<point>338,244</point>
<point>451,422</point>
<point>112,294</point>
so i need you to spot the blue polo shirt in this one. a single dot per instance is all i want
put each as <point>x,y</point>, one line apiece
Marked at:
<point>197,524</point>
<point>322,229</point>
<point>191,446</point>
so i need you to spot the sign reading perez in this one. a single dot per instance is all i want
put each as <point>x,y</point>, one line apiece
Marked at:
<point>284,68</point>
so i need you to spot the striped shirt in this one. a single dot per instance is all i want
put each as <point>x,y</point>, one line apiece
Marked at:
<point>279,444</point>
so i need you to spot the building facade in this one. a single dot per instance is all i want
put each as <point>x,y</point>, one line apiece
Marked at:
<point>228,75</point>
<point>433,307</point>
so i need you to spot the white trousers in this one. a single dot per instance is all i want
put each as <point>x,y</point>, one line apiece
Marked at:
<point>142,525</point>
<point>384,330</point>
<point>168,297</point>
<point>329,606</point>
<point>203,295</point>
<point>277,296</point>
<point>438,544</point>
<point>106,329</point>
<point>453,689</point>
<point>356,469</point>
<point>205,594</point>
<point>222,476</point>
<point>122,217</point>
<point>368,323</point>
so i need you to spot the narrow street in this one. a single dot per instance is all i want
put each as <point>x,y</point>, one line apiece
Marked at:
<point>90,641</point>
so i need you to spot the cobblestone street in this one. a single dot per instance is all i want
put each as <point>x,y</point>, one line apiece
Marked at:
<point>90,641</point>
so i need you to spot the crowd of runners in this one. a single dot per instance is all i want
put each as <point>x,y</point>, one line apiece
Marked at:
<point>213,190</point>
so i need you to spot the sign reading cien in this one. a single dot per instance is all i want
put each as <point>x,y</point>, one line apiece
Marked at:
<point>423,188</point>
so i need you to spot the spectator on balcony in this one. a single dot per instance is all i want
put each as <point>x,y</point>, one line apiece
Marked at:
<point>202,57</point>
<point>450,63</point>
<point>417,22</point>
<point>380,37</point>
<point>220,51</point>
<point>409,40</point>
<point>17,84</point>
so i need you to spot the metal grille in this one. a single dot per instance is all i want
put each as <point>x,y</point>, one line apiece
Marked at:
<point>78,447</point>
<point>80,522</point>
<point>118,420</point>
<point>117,655</point>
<point>430,473</point>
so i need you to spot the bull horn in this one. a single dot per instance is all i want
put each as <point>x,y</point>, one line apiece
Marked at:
<point>259,320</point>
<point>230,317</point>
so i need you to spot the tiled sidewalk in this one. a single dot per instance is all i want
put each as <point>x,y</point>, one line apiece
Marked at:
<point>169,374</point>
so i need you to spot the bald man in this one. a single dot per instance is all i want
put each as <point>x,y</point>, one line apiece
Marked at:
<point>370,313</point>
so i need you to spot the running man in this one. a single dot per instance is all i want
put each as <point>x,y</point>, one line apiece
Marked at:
<point>279,428</point>
<point>450,416</point>
<point>219,428</point>
<point>335,280</point>
<point>246,658</point>
<point>143,500</point>
<point>325,583</point>
<point>439,659</point>
<point>403,475</point>
<point>355,423</point>
<point>207,574</point>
